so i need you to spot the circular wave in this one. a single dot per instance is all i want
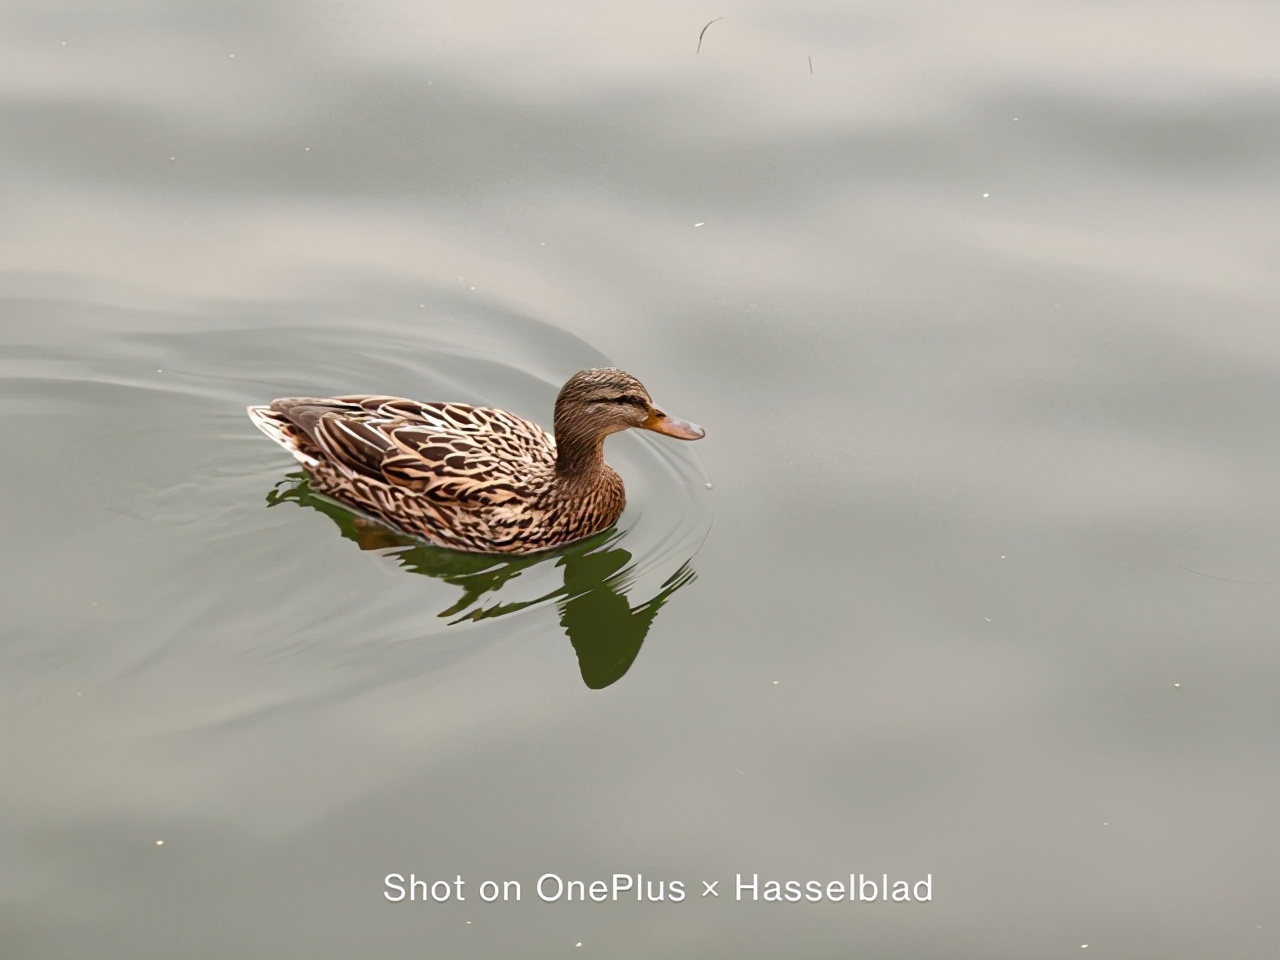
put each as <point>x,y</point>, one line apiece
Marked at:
<point>215,531</point>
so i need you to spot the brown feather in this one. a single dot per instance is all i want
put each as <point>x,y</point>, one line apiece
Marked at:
<point>470,478</point>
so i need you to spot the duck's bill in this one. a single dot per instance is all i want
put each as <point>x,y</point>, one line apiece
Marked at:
<point>671,427</point>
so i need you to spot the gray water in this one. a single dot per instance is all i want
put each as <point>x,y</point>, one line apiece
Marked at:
<point>978,304</point>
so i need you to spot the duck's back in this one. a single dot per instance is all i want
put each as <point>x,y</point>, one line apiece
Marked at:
<point>471,478</point>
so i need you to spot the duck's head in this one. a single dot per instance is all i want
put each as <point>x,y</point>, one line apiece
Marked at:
<point>596,403</point>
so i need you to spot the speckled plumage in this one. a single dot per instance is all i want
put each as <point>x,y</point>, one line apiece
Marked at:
<point>472,478</point>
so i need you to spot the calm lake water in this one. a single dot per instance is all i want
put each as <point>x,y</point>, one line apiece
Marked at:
<point>975,577</point>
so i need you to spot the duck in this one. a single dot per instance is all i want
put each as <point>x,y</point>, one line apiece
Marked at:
<point>474,479</point>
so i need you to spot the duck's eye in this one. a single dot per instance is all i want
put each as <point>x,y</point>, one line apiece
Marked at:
<point>631,399</point>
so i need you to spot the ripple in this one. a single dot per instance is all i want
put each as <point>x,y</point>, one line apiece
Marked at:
<point>182,479</point>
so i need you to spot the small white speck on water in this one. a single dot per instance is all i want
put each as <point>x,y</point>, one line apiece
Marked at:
<point>307,149</point>
<point>171,159</point>
<point>159,371</point>
<point>775,683</point>
<point>988,619</point>
<point>231,55</point>
<point>542,243</point>
<point>708,486</point>
<point>578,944</point>
<point>702,224</point>
<point>473,288</point>
<point>985,195</point>
<point>159,843</point>
<point>1002,556</point>
<point>1177,684</point>
<point>468,923</point>
<point>423,306</point>
<point>1015,119</point>
<point>1106,823</point>
<point>1084,946</point>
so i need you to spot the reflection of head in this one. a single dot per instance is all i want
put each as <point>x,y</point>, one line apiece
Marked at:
<point>605,630</point>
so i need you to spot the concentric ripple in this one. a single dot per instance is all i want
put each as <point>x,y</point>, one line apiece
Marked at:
<point>209,527</point>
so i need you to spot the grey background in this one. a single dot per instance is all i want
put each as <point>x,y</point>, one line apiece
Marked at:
<point>978,305</point>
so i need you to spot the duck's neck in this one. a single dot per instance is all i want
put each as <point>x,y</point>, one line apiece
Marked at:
<point>579,451</point>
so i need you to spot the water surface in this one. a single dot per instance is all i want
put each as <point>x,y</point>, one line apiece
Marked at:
<point>977,303</point>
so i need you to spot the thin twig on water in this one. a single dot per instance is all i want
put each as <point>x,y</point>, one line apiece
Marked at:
<point>811,66</point>
<point>701,35</point>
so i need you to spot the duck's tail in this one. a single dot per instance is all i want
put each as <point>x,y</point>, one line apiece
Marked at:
<point>276,426</point>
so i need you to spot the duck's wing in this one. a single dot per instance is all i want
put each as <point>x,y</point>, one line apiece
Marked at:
<point>449,452</point>
<point>448,468</point>
<point>505,434</point>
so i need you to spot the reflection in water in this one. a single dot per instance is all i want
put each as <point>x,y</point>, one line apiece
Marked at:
<point>605,630</point>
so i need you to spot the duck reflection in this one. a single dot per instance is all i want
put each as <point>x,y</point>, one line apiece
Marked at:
<point>605,630</point>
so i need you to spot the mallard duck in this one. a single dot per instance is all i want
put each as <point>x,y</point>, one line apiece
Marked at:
<point>473,478</point>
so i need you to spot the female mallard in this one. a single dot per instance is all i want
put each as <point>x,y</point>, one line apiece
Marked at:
<point>473,478</point>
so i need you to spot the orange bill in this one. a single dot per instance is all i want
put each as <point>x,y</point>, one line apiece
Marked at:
<point>659,422</point>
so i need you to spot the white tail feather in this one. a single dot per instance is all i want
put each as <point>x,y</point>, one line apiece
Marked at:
<point>265,420</point>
